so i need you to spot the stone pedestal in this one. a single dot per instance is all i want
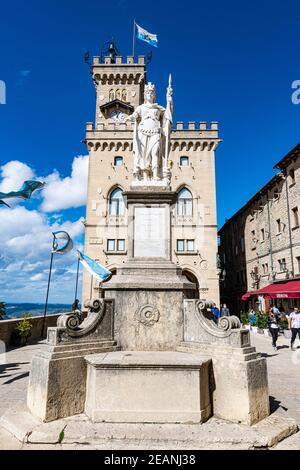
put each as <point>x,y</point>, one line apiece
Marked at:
<point>148,387</point>
<point>149,289</point>
<point>148,305</point>
<point>238,378</point>
<point>57,381</point>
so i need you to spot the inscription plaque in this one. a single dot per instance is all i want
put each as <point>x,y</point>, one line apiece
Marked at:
<point>150,232</point>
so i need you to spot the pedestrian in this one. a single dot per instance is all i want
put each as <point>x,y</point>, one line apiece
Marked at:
<point>216,312</point>
<point>252,320</point>
<point>294,325</point>
<point>273,328</point>
<point>225,312</point>
<point>276,312</point>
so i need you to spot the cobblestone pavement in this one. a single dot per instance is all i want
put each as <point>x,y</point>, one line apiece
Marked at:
<point>283,371</point>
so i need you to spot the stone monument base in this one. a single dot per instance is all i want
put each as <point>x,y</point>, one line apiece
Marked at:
<point>148,387</point>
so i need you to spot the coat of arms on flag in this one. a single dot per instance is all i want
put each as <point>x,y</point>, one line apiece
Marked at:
<point>146,36</point>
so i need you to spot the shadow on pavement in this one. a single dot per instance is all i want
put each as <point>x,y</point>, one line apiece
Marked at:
<point>17,377</point>
<point>275,404</point>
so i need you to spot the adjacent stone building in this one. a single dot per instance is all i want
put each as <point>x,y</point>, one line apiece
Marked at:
<point>119,84</point>
<point>260,244</point>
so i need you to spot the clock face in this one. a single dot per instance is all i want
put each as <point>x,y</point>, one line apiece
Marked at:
<point>117,116</point>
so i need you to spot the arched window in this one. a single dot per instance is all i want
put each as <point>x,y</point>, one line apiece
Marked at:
<point>118,94</point>
<point>185,202</point>
<point>116,202</point>
<point>111,95</point>
<point>124,95</point>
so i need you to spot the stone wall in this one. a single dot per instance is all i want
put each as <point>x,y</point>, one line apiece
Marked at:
<point>8,326</point>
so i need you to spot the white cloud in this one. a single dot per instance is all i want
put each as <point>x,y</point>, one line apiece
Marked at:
<point>26,241</point>
<point>13,174</point>
<point>37,277</point>
<point>26,235</point>
<point>59,193</point>
<point>63,193</point>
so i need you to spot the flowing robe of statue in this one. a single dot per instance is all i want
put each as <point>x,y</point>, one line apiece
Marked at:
<point>151,136</point>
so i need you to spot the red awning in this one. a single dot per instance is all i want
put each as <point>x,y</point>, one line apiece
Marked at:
<point>280,290</point>
<point>247,295</point>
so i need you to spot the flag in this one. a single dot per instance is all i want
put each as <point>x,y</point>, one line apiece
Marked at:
<point>145,36</point>
<point>25,191</point>
<point>96,269</point>
<point>62,242</point>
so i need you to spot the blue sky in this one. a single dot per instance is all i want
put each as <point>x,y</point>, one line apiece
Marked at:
<point>233,62</point>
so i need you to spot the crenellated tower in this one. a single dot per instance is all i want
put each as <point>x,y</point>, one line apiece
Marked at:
<point>119,86</point>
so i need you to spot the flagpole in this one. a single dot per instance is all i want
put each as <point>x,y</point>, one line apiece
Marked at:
<point>47,295</point>
<point>77,274</point>
<point>133,39</point>
<point>91,292</point>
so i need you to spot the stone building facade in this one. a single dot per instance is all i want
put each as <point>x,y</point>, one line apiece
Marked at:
<point>119,84</point>
<point>260,244</point>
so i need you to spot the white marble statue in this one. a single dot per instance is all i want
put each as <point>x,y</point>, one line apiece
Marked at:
<point>151,137</point>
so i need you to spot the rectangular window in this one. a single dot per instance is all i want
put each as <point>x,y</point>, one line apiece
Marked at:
<point>276,194</point>
<point>282,264</point>
<point>121,245</point>
<point>298,264</point>
<point>118,161</point>
<point>262,234</point>
<point>296,217</point>
<point>278,224</point>
<point>180,245</point>
<point>190,245</point>
<point>265,268</point>
<point>110,245</point>
<point>184,161</point>
<point>254,241</point>
<point>292,176</point>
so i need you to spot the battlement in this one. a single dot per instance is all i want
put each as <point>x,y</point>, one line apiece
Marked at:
<point>110,125</point>
<point>120,60</point>
<point>193,126</point>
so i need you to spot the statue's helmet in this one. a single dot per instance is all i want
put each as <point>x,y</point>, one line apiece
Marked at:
<point>150,87</point>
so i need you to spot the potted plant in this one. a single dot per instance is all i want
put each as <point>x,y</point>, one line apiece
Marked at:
<point>22,331</point>
<point>245,320</point>
<point>262,322</point>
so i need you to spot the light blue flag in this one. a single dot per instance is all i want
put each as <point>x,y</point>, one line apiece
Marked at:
<point>145,36</point>
<point>96,269</point>
<point>62,242</point>
<point>25,191</point>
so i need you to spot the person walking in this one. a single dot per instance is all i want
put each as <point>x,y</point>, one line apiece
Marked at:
<point>294,325</point>
<point>225,312</point>
<point>216,312</point>
<point>273,328</point>
<point>276,312</point>
<point>252,317</point>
